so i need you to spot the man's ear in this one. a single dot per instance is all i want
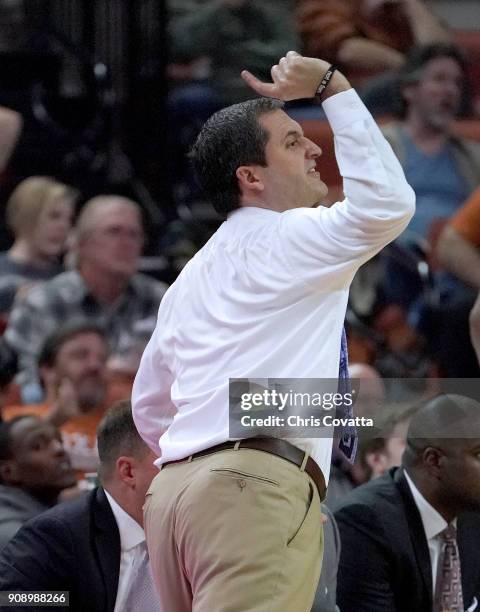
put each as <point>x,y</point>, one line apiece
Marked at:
<point>409,92</point>
<point>433,459</point>
<point>125,468</point>
<point>249,179</point>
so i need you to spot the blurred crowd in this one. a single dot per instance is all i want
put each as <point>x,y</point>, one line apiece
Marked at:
<point>78,301</point>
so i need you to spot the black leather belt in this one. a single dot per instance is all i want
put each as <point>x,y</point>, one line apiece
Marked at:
<point>275,446</point>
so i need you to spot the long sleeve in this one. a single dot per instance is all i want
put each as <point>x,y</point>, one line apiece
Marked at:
<point>326,246</point>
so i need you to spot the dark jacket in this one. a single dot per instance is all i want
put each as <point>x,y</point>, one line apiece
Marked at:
<point>72,547</point>
<point>16,508</point>
<point>385,563</point>
<point>325,596</point>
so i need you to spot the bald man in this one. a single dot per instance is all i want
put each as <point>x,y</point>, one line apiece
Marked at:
<point>414,534</point>
<point>105,289</point>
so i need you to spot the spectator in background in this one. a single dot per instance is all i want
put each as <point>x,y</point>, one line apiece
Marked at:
<point>458,246</point>
<point>39,213</point>
<point>10,129</point>
<point>73,370</point>
<point>34,469</point>
<point>475,327</point>
<point>367,38</point>
<point>234,35</point>
<point>104,289</point>
<point>8,370</point>
<point>443,170</point>
<point>459,252</point>
<point>217,39</point>
<point>380,453</point>
<point>369,402</point>
<point>417,528</point>
<point>93,547</point>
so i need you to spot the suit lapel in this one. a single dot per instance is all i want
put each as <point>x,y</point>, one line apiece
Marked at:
<point>107,545</point>
<point>468,550</point>
<point>417,533</point>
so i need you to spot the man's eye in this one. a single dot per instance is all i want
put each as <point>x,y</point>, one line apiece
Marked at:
<point>293,143</point>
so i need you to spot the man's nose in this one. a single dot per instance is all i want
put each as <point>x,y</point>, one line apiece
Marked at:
<point>95,364</point>
<point>313,150</point>
<point>57,448</point>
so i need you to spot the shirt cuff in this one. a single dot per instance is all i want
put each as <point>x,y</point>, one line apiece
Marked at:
<point>344,108</point>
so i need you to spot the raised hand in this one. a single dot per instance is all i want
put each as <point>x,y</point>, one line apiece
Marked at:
<point>295,77</point>
<point>65,405</point>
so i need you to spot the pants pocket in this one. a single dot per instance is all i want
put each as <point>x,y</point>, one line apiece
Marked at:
<point>240,474</point>
<point>307,526</point>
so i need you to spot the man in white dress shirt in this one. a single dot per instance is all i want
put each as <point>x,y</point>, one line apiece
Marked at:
<point>236,525</point>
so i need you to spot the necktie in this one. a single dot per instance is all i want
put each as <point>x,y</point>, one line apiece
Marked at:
<point>141,594</point>
<point>448,592</point>
<point>349,440</point>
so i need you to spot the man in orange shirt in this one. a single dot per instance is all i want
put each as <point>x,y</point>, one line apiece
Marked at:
<point>73,370</point>
<point>459,251</point>
<point>459,243</point>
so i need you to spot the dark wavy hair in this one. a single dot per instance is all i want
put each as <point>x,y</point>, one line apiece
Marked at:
<point>418,58</point>
<point>54,342</point>
<point>232,137</point>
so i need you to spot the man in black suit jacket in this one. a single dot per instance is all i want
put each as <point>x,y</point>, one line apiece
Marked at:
<point>76,546</point>
<point>389,528</point>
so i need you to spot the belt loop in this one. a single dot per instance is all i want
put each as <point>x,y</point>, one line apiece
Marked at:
<point>236,446</point>
<point>190,459</point>
<point>304,462</point>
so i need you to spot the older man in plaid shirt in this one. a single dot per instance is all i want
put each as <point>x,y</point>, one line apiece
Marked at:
<point>104,288</point>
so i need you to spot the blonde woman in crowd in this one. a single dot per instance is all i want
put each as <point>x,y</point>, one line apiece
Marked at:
<point>39,213</point>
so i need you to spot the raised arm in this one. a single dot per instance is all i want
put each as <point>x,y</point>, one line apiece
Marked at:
<point>328,245</point>
<point>458,247</point>
<point>426,27</point>
<point>459,256</point>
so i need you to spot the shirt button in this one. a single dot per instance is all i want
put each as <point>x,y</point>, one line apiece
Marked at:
<point>242,484</point>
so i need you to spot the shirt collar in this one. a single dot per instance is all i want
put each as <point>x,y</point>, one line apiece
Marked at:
<point>252,211</point>
<point>131,533</point>
<point>433,521</point>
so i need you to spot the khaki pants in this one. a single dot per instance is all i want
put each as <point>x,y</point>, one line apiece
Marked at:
<point>234,531</point>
